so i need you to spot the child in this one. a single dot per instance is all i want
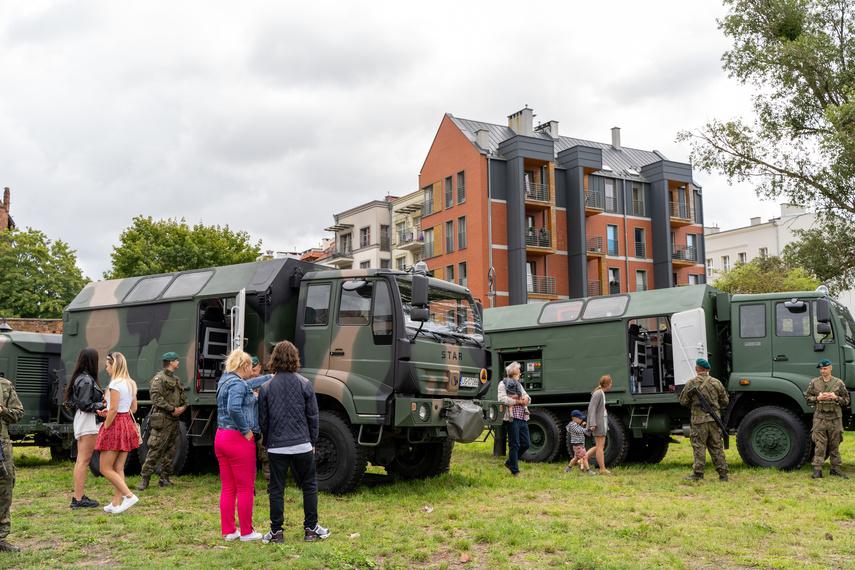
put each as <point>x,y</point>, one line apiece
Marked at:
<point>576,431</point>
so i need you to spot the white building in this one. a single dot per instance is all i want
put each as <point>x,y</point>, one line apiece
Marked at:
<point>362,237</point>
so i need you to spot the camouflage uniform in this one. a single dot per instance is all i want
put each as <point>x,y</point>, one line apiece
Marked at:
<point>12,412</point>
<point>827,431</point>
<point>705,432</point>
<point>167,393</point>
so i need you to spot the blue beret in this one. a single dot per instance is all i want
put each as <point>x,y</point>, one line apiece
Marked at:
<point>702,363</point>
<point>254,361</point>
<point>170,356</point>
<point>578,414</point>
<point>824,362</point>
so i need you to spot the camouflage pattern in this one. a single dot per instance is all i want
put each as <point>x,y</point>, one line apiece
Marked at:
<point>167,393</point>
<point>262,455</point>
<point>705,433</point>
<point>12,411</point>
<point>714,392</point>
<point>707,436</point>
<point>827,430</point>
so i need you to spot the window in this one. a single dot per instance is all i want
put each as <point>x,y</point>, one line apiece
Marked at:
<point>384,264</point>
<point>428,208</point>
<point>365,237</point>
<point>449,236</point>
<point>381,317</point>
<point>427,248</point>
<point>640,243</point>
<point>449,273</point>
<point>355,307</point>
<point>741,257</point>
<point>365,265</point>
<point>188,284</point>
<point>641,280</point>
<point>461,274</point>
<point>764,251</point>
<point>611,196</point>
<point>709,266</point>
<point>345,245</point>
<point>614,280</point>
<point>793,320</point>
<point>637,200</point>
<point>449,193</point>
<point>148,289</point>
<point>752,321</point>
<point>401,233</point>
<point>691,247</point>
<point>461,232</point>
<point>694,279</point>
<point>317,304</point>
<point>560,312</point>
<point>385,239</point>
<point>612,236</point>
<point>461,187</point>
<point>603,307</point>
<point>401,263</point>
<point>725,263</point>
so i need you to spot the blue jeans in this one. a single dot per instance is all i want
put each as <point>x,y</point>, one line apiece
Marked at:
<point>304,473</point>
<point>518,442</point>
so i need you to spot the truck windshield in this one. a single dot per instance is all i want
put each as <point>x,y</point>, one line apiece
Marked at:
<point>453,317</point>
<point>848,323</point>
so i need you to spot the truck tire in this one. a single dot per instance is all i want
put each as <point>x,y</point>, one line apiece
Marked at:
<point>547,436</point>
<point>339,459</point>
<point>420,461</point>
<point>772,436</point>
<point>180,463</point>
<point>617,443</point>
<point>649,450</point>
<point>59,453</point>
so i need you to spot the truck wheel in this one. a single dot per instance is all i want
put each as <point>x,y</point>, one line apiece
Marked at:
<point>339,459</point>
<point>59,453</point>
<point>772,436</point>
<point>180,463</point>
<point>617,443</point>
<point>420,461</point>
<point>547,436</point>
<point>650,449</point>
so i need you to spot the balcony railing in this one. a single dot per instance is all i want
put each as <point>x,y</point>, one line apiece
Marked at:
<point>427,250</point>
<point>614,287</point>
<point>540,285</point>
<point>611,204</point>
<point>461,194</point>
<point>342,251</point>
<point>595,244</point>
<point>594,200</point>
<point>638,208</point>
<point>406,236</point>
<point>537,237</point>
<point>537,192</point>
<point>461,240</point>
<point>679,210</point>
<point>385,243</point>
<point>640,249</point>
<point>449,243</point>
<point>428,207</point>
<point>684,253</point>
<point>595,288</point>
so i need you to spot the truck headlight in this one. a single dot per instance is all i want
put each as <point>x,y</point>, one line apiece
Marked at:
<point>424,412</point>
<point>492,413</point>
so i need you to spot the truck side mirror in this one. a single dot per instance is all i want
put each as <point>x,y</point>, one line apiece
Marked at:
<point>823,313</point>
<point>420,315</point>
<point>420,292</point>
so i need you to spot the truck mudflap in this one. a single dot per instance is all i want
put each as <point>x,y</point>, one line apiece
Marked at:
<point>464,421</point>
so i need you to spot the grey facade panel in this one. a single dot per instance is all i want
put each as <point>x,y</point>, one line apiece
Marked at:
<point>668,170</point>
<point>527,147</point>
<point>577,257</point>
<point>498,179</point>
<point>581,156</point>
<point>517,291</point>
<point>661,234</point>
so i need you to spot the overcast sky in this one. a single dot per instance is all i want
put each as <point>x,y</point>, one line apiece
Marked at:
<point>272,116</point>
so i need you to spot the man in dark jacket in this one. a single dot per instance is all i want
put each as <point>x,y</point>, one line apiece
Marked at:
<point>288,415</point>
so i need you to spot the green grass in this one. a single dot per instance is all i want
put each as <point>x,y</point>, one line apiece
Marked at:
<point>640,517</point>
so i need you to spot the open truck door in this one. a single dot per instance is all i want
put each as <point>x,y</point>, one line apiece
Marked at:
<point>690,343</point>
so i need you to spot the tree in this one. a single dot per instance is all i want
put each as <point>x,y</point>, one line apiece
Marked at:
<point>827,252</point>
<point>799,55</point>
<point>767,274</point>
<point>38,279</point>
<point>163,246</point>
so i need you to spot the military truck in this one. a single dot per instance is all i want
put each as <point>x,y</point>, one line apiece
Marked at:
<point>764,348</point>
<point>397,359</point>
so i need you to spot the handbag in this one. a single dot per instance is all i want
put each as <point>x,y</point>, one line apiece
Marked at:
<point>137,427</point>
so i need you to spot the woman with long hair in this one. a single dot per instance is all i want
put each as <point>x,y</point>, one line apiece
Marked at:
<point>84,392</point>
<point>234,444</point>
<point>598,421</point>
<point>118,435</point>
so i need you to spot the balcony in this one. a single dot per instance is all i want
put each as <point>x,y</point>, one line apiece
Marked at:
<point>595,288</point>
<point>680,215</point>
<point>611,204</point>
<point>538,237</point>
<point>594,246</point>
<point>409,240</point>
<point>593,203</point>
<point>641,249</point>
<point>540,285</point>
<point>535,192</point>
<point>638,208</point>
<point>683,255</point>
<point>342,256</point>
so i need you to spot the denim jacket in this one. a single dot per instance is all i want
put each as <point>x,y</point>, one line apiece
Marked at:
<point>237,406</point>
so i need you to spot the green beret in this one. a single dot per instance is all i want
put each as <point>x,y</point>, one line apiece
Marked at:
<point>254,361</point>
<point>170,356</point>
<point>702,363</point>
<point>824,362</point>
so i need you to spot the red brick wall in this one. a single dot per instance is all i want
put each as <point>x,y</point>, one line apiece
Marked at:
<point>36,325</point>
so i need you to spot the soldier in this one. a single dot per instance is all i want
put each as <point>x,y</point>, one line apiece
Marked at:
<point>705,432</point>
<point>168,403</point>
<point>11,411</point>
<point>829,395</point>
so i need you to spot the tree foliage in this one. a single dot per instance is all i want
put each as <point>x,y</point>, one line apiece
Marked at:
<point>799,56</point>
<point>767,274</point>
<point>38,279</point>
<point>148,247</point>
<point>827,252</point>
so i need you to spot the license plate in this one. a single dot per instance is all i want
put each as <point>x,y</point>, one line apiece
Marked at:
<point>468,382</point>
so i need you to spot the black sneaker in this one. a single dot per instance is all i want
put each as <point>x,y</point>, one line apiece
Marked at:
<point>317,533</point>
<point>274,537</point>
<point>84,503</point>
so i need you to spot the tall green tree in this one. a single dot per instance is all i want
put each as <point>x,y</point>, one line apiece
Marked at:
<point>161,246</point>
<point>799,57</point>
<point>767,274</point>
<point>38,279</point>
<point>827,252</point>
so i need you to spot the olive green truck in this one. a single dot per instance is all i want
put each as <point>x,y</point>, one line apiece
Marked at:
<point>397,359</point>
<point>764,348</point>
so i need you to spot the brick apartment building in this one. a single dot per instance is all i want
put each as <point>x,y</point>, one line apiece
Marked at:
<point>520,214</point>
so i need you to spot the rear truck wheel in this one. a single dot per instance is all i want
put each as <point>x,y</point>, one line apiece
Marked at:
<point>423,460</point>
<point>547,436</point>
<point>651,449</point>
<point>339,459</point>
<point>59,453</point>
<point>772,436</point>
<point>617,444</point>
<point>180,463</point>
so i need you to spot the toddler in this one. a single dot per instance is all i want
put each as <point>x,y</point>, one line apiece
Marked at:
<point>577,431</point>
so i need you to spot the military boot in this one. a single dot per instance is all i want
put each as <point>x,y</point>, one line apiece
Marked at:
<point>164,481</point>
<point>838,473</point>
<point>144,483</point>
<point>694,477</point>
<point>817,474</point>
<point>6,547</point>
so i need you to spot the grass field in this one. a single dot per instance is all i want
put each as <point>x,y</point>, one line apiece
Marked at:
<point>640,517</point>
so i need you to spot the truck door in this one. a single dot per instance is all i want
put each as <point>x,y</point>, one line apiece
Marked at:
<point>690,343</point>
<point>792,344</point>
<point>238,312</point>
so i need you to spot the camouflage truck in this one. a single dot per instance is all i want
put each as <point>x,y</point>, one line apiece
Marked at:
<point>397,360</point>
<point>764,348</point>
<point>31,361</point>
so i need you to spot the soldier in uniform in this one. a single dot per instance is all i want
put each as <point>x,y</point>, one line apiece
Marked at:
<point>168,401</point>
<point>705,432</point>
<point>11,411</point>
<point>829,395</point>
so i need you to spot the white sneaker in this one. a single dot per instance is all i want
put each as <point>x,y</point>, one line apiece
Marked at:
<point>233,536</point>
<point>127,503</point>
<point>109,508</point>
<point>254,535</point>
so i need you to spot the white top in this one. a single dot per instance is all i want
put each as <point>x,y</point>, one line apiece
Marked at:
<point>123,387</point>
